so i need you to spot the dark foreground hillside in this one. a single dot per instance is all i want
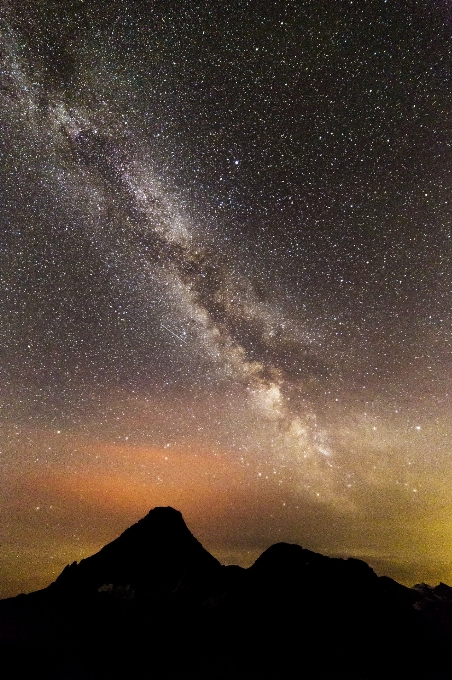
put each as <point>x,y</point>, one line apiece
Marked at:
<point>154,604</point>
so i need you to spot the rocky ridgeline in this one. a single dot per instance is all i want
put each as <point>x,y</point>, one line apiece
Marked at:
<point>155,604</point>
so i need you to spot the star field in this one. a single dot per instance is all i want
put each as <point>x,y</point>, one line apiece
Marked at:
<point>226,278</point>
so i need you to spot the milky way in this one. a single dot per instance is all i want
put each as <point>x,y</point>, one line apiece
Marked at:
<point>226,273</point>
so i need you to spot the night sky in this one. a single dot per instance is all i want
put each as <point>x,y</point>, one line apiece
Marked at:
<point>226,278</point>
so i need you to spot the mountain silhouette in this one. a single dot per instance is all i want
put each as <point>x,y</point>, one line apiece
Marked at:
<point>154,603</point>
<point>156,554</point>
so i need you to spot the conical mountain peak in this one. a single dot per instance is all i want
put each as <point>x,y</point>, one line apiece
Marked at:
<point>156,553</point>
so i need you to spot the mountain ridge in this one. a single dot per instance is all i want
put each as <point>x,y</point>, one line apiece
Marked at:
<point>155,593</point>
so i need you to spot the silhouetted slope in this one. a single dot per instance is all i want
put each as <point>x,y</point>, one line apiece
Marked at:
<point>154,604</point>
<point>156,554</point>
<point>327,618</point>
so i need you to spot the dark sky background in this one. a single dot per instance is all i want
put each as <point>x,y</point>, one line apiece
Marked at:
<point>226,278</point>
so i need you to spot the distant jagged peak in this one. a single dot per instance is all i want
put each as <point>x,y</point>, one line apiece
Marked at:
<point>441,592</point>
